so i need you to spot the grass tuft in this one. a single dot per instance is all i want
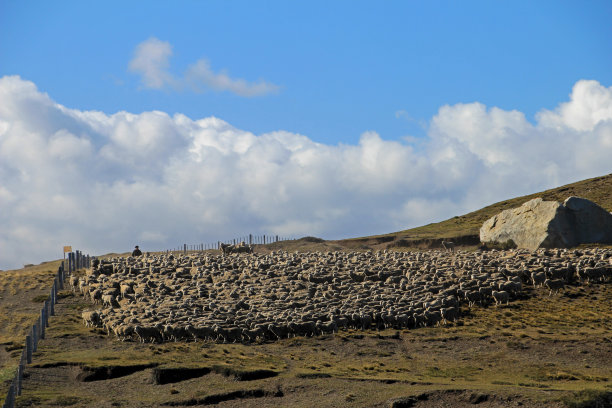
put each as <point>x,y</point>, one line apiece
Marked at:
<point>588,399</point>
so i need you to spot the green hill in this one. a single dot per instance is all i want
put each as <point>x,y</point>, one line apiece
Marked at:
<point>464,229</point>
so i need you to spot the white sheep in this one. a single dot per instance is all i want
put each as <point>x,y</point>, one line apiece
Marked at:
<point>500,297</point>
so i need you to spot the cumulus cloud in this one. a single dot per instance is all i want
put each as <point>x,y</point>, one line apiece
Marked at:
<point>200,76</point>
<point>151,61</point>
<point>105,183</point>
<point>589,106</point>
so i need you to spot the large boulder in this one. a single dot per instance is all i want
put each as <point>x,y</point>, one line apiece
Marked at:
<point>550,224</point>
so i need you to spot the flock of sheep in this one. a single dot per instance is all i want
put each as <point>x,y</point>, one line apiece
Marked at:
<point>258,297</point>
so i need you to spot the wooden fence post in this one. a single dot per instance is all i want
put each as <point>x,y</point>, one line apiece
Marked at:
<point>47,313</point>
<point>34,337</point>
<point>29,349</point>
<point>52,302</point>
<point>11,397</point>
<point>18,377</point>
<point>41,324</point>
<point>58,276</point>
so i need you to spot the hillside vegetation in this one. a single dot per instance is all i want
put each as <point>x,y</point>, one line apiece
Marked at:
<point>557,360</point>
<point>464,229</point>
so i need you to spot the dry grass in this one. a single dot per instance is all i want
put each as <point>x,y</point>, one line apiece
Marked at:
<point>22,293</point>
<point>542,348</point>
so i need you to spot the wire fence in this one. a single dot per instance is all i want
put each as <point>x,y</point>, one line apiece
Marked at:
<point>247,239</point>
<point>76,260</point>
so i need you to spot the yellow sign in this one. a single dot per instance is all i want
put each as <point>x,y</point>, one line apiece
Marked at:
<point>67,249</point>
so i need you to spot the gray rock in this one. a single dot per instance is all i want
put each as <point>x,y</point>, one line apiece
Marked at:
<point>592,224</point>
<point>550,224</point>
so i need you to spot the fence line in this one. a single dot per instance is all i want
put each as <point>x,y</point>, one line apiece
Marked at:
<point>76,260</point>
<point>249,239</point>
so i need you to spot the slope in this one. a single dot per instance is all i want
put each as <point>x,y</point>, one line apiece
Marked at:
<point>464,229</point>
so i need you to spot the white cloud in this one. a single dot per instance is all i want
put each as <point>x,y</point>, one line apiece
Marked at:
<point>200,76</point>
<point>151,61</point>
<point>590,104</point>
<point>105,183</point>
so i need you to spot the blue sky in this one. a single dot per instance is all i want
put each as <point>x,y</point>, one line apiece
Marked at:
<point>343,67</point>
<point>193,122</point>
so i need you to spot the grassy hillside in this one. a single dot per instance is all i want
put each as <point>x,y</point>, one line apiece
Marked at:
<point>557,360</point>
<point>465,228</point>
<point>22,293</point>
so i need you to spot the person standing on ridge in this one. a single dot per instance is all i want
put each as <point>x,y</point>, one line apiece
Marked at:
<point>136,251</point>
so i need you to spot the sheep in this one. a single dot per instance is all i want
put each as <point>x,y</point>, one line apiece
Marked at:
<point>200,332</point>
<point>596,274</point>
<point>341,322</point>
<point>326,328</point>
<point>449,313</point>
<point>123,331</point>
<point>74,281</point>
<point>366,321</point>
<point>108,300</point>
<point>233,334</point>
<point>91,318</point>
<point>554,285</point>
<point>538,278</point>
<point>403,321</point>
<point>251,336</point>
<point>126,289</point>
<point>500,297</point>
<point>472,297</point>
<point>278,295</point>
<point>304,328</point>
<point>512,287</point>
<point>485,293</point>
<point>562,273</point>
<point>83,286</point>
<point>448,246</point>
<point>148,334</point>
